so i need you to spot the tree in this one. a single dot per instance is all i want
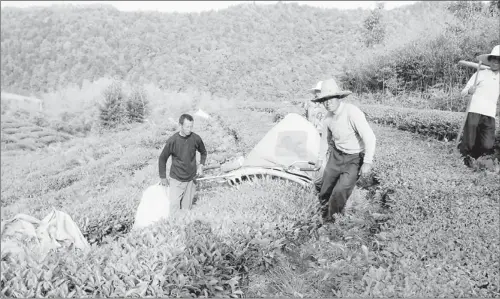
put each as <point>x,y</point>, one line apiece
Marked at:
<point>137,105</point>
<point>374,28</point>
<point>113,111</point>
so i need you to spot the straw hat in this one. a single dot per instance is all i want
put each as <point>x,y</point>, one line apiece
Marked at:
<point>484,58</point>
<point>330,89</point>
<point>316,88</point>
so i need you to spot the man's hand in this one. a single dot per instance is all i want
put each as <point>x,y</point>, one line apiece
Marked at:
<point>164,182</point>
<point>365,170</point>
<point>472,90</point>
<point>200,170</point>
<point>318,163</point>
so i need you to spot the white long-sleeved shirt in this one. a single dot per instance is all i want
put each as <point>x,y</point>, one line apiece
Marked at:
<point>315,114</point>
<point>350,131</point>
<point>484,100</point>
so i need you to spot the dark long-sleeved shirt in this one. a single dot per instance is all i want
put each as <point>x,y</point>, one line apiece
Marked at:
<point>183,151</point>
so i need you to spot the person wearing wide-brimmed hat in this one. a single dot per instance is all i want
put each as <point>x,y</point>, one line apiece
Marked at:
<point>350,143</point>
<point>479,130</point>
<point>315,112</point>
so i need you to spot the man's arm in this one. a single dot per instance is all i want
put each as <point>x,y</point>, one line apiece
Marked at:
<point>200,146</point>
<point>323,145</point>
<point>360,124</point>
<point>202,150</point>
<point>469,84</point>
<point>162,160</point>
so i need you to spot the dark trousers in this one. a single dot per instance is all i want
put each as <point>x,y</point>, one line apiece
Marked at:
<point>339,179</point>
<point>479,135</point>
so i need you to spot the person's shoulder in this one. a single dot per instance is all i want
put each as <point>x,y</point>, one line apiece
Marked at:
<point>349,105</point>
<point>489,72</point>
<point>352,107</point>
<point>484,73</point>
<point>173,137</point>
<point>354,110</point>
<point>196,136</point>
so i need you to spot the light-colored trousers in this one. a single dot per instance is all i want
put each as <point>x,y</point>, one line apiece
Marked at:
<point>182,194</point>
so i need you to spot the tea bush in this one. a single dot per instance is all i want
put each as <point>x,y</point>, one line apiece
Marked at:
<point>19,134</point>
<point>429,228</point>
<point>444,221</point>
<point>204,253</point>
<point>442,125</point>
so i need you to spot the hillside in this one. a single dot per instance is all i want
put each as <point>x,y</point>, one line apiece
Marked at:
<point>413,231</point>
<point>267,52</point>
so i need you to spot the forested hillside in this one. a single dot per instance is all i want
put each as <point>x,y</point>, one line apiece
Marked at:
<point>266,52</point>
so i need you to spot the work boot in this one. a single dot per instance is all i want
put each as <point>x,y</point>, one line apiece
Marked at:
<point>469,161</point>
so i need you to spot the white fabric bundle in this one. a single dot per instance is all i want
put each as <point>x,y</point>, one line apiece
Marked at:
<point>24,233</point>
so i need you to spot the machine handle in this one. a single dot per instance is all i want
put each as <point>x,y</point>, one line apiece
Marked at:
<point>309,169</point>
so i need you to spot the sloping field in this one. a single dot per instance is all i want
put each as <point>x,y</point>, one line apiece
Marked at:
<point>18,134</point>
<point>428,226</point>
<point>13,96</point>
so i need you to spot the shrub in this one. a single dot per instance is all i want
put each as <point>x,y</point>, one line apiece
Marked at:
<point>430,58</point>
<point>137,105</point>
<point>121,107</point>
<point>278,117</point>
<point>112,111</point>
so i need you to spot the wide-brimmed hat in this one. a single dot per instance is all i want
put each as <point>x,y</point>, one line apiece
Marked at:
<point>484,58</point>
<point>330,89</point>
<point>316,88</point>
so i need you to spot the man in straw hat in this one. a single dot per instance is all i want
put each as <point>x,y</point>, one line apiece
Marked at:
<point>350,141</point>
<point>479,130</point>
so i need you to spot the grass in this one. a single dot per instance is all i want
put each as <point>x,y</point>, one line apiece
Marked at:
<point>423,225</point>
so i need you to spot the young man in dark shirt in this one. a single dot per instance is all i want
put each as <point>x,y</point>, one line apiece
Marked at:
<point>182,146</point>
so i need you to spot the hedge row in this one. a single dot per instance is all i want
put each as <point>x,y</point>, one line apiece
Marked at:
<point>18,134</point>
<point>442,125</point>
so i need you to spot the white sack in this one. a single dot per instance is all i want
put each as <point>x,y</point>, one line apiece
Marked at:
<point>154,206</point>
